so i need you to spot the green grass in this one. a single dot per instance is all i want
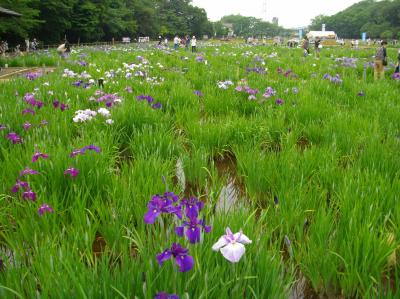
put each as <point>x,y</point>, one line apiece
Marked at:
<point>328,155</point>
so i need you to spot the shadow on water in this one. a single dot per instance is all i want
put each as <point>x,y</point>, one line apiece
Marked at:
<point>226,166</point>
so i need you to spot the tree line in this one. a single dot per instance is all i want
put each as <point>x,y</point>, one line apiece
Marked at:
<point>95,20</point>
<point>379,19</point>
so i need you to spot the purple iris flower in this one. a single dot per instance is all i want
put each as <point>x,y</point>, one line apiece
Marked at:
<point>361,94</point>
<point>75,152</point>
<point>162,204</point>
<point>28,171</point>
<point>2,127</point>
<point>269,92</point>
<point>287,73</point>
<point>193,229</point>
<point>73,172</point>
<point>43,123</point>
<point>128,89</point>
<point>38,155</point>
<point>63,107</point>
<point>28,111</point>
<point>29,194</point>
<point>77,83</point>
<point>279,102</point>
<point>14,138</point>
<point>44,208</point>
<point>182,259</point>
<point>91,148</point>
<point>81,151</point>
<point>82,63</point>
<point>149,99</point>
<point>198,93</point>
<point>157,105</point>
<point>192,206</point>
<point>56,104</point>
<point>239,88</point>
<point>396,76</point>
<point>164,295</point>
<point>26,126</point>
<point>19,185</point>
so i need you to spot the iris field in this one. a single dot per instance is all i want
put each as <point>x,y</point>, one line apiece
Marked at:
<point>99,185</point>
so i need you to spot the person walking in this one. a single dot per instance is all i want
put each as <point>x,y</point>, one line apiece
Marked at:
<point>194,44</point>
<point>380,61</point>
<point>176,42</point>
<point>318,47</point>
<point>306,44</point>
<point>187,42</point>
<point>397,70</point>
<point>159,40</point>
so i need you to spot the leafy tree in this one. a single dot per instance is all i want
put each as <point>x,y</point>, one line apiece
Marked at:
<point>15,29</point>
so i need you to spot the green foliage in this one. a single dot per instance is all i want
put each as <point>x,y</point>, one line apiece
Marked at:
<point>376,18</point>
<point>11,27</point>
<point>250,26</point>
<point>93,20</point>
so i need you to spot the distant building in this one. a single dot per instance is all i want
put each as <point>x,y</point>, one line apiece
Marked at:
<point>275,21</point>
<point>313,35</point>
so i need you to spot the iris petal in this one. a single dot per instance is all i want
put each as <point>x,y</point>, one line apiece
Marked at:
<point>233,252</point>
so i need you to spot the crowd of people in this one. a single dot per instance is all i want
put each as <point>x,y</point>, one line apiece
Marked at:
<point>29,46</point>
<point>185,42</point>
<point>381,59</point>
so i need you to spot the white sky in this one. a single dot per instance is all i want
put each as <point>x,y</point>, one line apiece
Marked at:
<point>291,13</point>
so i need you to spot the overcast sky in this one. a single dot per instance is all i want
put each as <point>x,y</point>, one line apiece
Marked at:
<point>291,13</point>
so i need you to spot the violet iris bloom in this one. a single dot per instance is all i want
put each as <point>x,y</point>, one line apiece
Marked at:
<point>75,152</point>
<point>44,208</point>
<point>26,126</point>
<point>232,245</point>
<point>193,229</point>
<point>19,185</point>
<point>72,172</point>
<point>29,194</point>
<point>149,99</point>
<point>163,295</point>
<point>279,102</point>
<point>91,147</point>
<point>56,104</point>
<point>28,171</point>
<point>63,107</point>
<point>38,155</point>
<point>192,206</point>
<point>162,204</point>
<point>14,138</point>
<point>157,105</point>
<point>81,151</point>
<point>28,111</point>
<point>182,259</point>
<point>361,94</point>
<point>2,127</point>
<point>198,93</point>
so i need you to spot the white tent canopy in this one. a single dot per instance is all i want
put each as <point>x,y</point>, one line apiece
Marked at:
<point>322,35</point>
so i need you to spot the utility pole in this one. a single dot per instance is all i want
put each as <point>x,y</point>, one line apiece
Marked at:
<point>265,10</point>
